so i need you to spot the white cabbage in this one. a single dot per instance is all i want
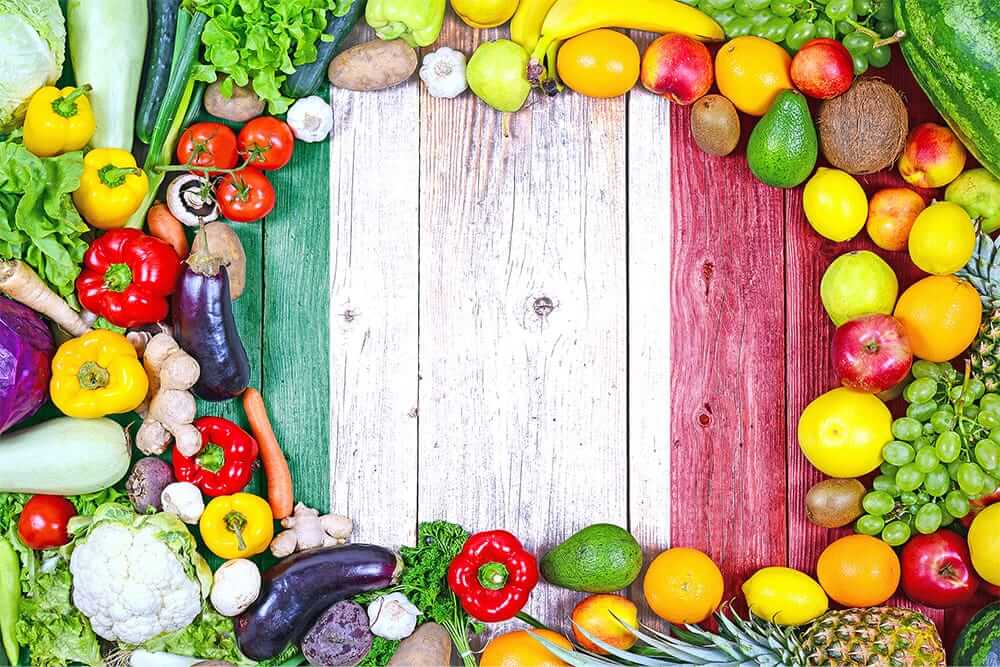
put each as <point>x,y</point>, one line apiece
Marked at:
<point>32,50</point>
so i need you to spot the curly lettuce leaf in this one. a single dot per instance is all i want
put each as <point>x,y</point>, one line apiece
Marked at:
<point>210,636</point>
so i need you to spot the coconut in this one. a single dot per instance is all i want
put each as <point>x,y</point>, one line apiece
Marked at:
<point>863,130</point>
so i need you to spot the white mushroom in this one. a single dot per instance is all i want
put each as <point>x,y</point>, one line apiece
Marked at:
<point>190,200</point>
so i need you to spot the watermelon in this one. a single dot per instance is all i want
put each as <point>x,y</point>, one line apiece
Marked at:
<point>953,50</point>
<point>979,642</point>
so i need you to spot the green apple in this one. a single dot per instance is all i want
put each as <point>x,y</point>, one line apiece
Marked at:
<point>978,192</point>
<point>858,283</point>
<point>498,75</point>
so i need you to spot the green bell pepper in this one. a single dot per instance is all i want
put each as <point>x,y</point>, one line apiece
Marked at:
<point>416,22</point>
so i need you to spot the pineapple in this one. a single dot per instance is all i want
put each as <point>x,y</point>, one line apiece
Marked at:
<point>877,636</point>
<point>983,272</point>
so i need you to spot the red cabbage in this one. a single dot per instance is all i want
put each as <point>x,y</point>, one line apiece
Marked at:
<point>26,350</point>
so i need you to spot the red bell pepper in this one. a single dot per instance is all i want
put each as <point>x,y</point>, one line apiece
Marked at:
<point>492,576</point>
<point>127,277</point>
<point>226,461</point>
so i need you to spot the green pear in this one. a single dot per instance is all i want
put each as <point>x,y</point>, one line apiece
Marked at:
<point>978,192</point>
<point>498,75</point>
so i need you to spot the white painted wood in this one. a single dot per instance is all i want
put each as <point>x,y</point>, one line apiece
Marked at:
<point>523,318</point>
<point>649,319</point>
<point>374,176</point>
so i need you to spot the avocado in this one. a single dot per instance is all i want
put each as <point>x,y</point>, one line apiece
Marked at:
<point>598,559</point>
<point>782,149</point>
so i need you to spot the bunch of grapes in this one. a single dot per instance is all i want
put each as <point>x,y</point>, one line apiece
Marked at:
<point>865,27</point>
<point>946,452</point>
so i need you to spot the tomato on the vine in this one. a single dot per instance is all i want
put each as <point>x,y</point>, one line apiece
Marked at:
<point>43,522</point>
<point>245,195</point>
<point>266,142</point>
<point>207,146</point>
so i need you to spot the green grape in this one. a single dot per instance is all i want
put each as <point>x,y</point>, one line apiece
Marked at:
<point>907,428</point>
<point>864,7</point>
<point>928,429</point>
<point>825,29</point>
<point>776,28</point>
<point>921,411</point>
<point>719,4</point>
<point>869,525</point>
<point>888,469</point>
<point>895,533</point>
<point>743,8</point>
<point>976,389</point>
<point>971,411</point>
<point>909,478</point>
<point>937,482</point>
<point>927,519</point>
<point>925,369</point>
<point>760,19</point>
<point>943,421</point>
<point>897,452</point>
<point>926,459</point>
<point>887,483</point>
<point>970,479</point>
<point>953,469</point>
<point>799,33</point>
<point>955,393</point>
<point>725,17</point>
<point>988,418</point>
<point>956,504</point>
<point>947,408</point>
<point>948,446</point>
<point>922,441</point>
<point>987,454</point>
<point>844,27</point>
<point>948,372</point>
<point>883,10</point>
<point>838,9</point>
<point>859,44</point>
<point>990,400</point>
<point>782,7</point>
<point>878,503</point>
<point>739,27</point>
<point>995,435</point>
<point>920,390</point>
<point>908,498</point>
<point>991,485</point>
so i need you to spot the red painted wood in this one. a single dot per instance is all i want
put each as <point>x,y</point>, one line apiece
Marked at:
<point>727,352</point>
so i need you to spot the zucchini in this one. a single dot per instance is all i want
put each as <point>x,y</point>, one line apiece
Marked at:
<point>158,63</point>
<point>306,79</point>
<point>953,47</point>
<point>64,456</point>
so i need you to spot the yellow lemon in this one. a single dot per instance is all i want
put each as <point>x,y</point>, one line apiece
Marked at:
<point>481,14</point>
<point>843,431</point>
<point>751,71</point>
<point>942,238</point>
<point>835,204</point>
<point>984,544</point>
<point>785,596</point>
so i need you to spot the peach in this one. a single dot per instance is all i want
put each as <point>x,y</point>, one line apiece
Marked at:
<point>933,156</point>
<point>678,68</point>
<point>823,69</point>
<point>891,214</point>
<point>596,614</point>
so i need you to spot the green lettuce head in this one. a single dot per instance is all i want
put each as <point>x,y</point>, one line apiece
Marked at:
<point>32,51</point>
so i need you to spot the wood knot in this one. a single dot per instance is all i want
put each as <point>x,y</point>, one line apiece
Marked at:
<point>349,315</point>
<point>705,416</point>
<point>543,306</point>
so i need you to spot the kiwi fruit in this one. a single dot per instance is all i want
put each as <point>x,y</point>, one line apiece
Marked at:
<point>833,503</point>
<point>715,125</point>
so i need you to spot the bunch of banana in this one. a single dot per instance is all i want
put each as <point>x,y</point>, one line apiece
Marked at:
<point>540,25</point>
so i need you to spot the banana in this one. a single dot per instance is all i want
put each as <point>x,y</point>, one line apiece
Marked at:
<point>526,26</point>
<point>568,18</point>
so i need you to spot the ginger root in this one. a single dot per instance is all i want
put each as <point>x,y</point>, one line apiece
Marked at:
<point>307,529</point>
<point>170,407</point>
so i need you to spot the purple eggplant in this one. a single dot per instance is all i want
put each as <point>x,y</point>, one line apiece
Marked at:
<point>296,591</point>
<point>204,328</point>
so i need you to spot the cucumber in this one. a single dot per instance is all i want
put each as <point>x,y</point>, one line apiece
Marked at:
<point>979,642</point>
<point>953,47</point>
<point>307,79</point>
<point>158,60</point>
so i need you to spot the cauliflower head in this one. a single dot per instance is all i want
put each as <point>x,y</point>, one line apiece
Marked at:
<point>136,576</point>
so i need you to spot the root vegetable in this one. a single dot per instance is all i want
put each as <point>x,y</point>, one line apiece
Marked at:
<point>373,65</point>
<point>279,477</point>
<point>864,130</point>
<point>164,226</point>
<point>429,646</point>
<point>307,529</point>
<point>235,587</point>
<point>146,482</point>
<point>339,637</point>
<point>183,499</point>
<point>241,106</point>
<point>171,407</point>
<point>21,283</point>
<point>392,616</point>
<point>222,242</point>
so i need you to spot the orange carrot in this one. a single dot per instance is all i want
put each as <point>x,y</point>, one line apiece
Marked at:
<point>279,477</point>
<point>164,226</point>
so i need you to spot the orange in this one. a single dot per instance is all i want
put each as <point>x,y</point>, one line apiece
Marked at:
<point>751,71</point>
<point>601,616</point>
<point>941,315</point>
<point>683,585</point>
<point>520,649</point>
<point>858,571</point>
<point>599,63</point>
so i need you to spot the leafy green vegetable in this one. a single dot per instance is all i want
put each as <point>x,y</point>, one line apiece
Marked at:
<point>88,503</point>
<point>380,653</point>
<point>38,221</point>
<point>424,582</point>
<point>32,51</point>
<point>11,505</point>
<point>211,637</point>
<point>261,42</point>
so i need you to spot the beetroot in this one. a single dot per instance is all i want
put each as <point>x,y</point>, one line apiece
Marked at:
<point>26,350</point>
<point>340,637</point>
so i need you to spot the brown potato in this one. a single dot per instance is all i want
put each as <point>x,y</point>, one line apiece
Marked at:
<point>242,106</point>
<point>373,65</point>
<point>428,646</point>
<point>223,242</point>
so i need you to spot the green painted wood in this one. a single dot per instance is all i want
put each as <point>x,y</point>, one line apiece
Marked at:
<point>296,319</point>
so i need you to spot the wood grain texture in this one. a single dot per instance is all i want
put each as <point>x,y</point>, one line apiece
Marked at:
<point>522,317</point>
<point>727,427</point>
<point>649,227</point>
<point>373,314</point>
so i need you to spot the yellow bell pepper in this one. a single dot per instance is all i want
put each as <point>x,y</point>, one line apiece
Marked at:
<point>237,526</point>
<point>58,121</point>
<point>97,374</point>
<point>111,188</point>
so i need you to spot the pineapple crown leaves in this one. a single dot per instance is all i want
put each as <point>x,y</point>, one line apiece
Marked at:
<point>983,270</point>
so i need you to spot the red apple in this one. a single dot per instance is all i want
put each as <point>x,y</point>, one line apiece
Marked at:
<point>871,353</point>
<point>823,69</point>
<point>677,67</point>
<point>937,570</point>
